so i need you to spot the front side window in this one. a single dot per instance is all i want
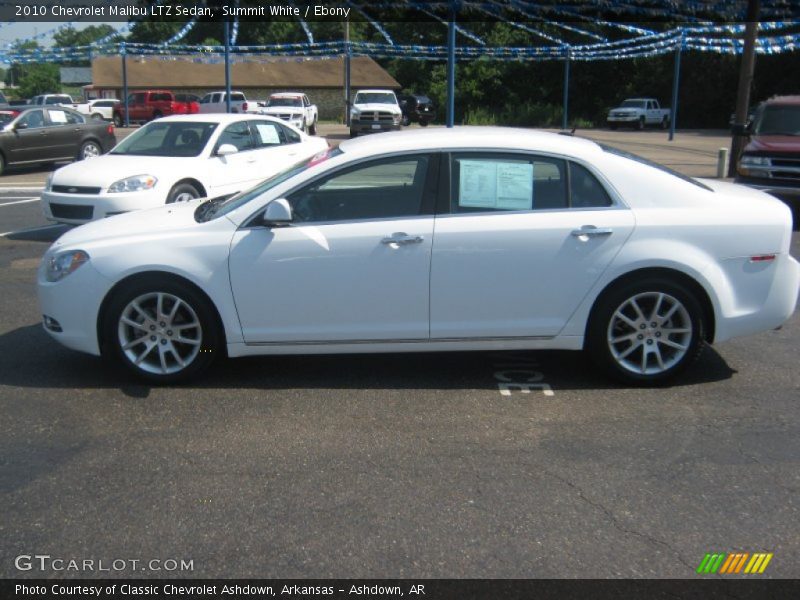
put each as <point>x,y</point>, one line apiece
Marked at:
<point>205,99</point>
<point>237,134</point>
<point>495,182</point>
<point>388,188</point>
<point>33,119</point>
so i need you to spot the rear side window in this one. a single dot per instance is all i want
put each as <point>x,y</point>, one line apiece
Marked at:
<point>237,98</point>
<point>585,190</point>
<point>498,182</point>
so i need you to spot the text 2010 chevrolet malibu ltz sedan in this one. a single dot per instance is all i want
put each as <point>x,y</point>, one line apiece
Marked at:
<point>173,160</point>
<point>460,239</point>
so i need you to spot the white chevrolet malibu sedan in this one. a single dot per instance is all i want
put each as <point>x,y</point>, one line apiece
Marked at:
<point>174,160</point>
<point>438,240</point>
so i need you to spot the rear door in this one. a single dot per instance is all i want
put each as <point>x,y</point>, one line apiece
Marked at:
<point>522,241</point>
<point>65,132</point>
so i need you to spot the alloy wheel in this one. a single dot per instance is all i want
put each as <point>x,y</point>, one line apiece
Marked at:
<point>91,150</point>
<point>649,333</point>
<point>159,333</point>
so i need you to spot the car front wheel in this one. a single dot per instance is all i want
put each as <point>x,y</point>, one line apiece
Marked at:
<point>164,331</point>
<point>646,332</point>
<point>183,192</point>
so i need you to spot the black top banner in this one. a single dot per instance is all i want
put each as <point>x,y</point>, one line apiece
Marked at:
<point>385,589</point>
<point>397,10</point>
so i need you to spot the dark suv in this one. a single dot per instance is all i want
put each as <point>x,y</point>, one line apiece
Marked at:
<point>771,159</point>
<point>417,109</point>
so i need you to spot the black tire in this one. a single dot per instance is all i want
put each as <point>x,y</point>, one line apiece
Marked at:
<point>182,192</point>
<point>423,123</point>
<point>312,129</point>
<point>204,342</point>
<point>648,366</point>
<point>97,117</point>
<point>640,123</point>
<point>406,121</point>
<point>353,133</point>
<point>89,149</point>
<point>2,164</point>
<point>118,122</point>
<point>304,127</point>
<point>665,123</point>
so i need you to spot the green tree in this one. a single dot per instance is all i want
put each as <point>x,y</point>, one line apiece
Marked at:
<point>39,79</point>
<point>70,37</point>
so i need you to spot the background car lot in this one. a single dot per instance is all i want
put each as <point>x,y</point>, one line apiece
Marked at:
<point>401,465</point>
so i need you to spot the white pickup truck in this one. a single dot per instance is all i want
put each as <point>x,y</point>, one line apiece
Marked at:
<point>215,102</point>
<point>293,107</point>
<point>374,111</point>
<point>637,113</point>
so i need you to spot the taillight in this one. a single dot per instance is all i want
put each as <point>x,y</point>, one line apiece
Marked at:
<point>244,106</point>
<point>110,128</point>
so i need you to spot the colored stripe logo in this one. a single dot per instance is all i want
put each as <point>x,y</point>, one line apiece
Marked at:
<point>734,563</point>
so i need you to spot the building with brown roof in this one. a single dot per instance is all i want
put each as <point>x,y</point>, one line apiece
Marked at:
<point>257,76</point>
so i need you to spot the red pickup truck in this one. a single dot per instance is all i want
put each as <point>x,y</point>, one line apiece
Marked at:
<point>152,104</point>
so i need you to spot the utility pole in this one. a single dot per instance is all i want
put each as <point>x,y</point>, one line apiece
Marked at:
<point>746,70</point>
<point>347,72</point>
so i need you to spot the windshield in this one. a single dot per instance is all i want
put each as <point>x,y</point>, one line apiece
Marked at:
<point>778,119</point>
<point>178,138</point>
<point>59,100</point>
<point>655,165</point>
<point>211,210</point>
<point>284,102</point>
<point>633,104</point>
<point>375,98</point>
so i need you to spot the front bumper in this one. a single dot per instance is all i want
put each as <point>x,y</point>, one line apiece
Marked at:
<point>74,303</point>
<point>77,209</point>
<point>357,126</point>
<point>780,189</point>
<point>620,119</point>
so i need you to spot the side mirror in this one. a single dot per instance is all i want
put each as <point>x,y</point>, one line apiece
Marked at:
<point>227,149</point>
<point>278,213</point>
<point>21,125</point>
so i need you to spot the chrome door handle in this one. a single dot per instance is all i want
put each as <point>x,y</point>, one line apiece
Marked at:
<point>402,239</point>
<point>251,159</point>
<point>591,231</point>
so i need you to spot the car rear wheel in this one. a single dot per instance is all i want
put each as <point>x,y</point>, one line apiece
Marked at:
<point>89,150</point>
<point>164,331</point>
<point>353,133</point>
<point>664,123</point>
<point>646,332</point>
<point>182,192</point>
<point>640,123</point>
<point>118,121</point>
<point>312,129</point>
<point>97,116</point>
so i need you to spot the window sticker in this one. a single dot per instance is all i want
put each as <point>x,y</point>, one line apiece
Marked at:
<point>495,184</point>
<point>268,134</point>
<point>58,116</point>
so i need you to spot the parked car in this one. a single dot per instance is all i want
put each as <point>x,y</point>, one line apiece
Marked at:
<point>151,104</point>
<point>51,99</point>
<point>99,108</point>
<point>542,241</point>
<point>176,159</point>
<point>637,113</point>
<point>417,109</point>
<point>294,108</point>
<point>216,102</point>
<point>374,111</point>
<point>771,159</point>
<point>52,134</point>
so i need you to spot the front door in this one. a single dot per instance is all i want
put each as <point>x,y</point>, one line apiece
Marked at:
<point>29,141</point>
<point>354,266</point>
<point>520,248</point>
<point>233,173</point>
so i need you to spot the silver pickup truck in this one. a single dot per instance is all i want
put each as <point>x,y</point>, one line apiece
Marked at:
<point>638,113</point>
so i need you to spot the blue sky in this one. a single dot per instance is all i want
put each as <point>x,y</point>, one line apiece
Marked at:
<point>13,31</point>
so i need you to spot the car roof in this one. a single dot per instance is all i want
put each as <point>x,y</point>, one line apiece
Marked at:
<point>288,94</point>
<point>374,91</point>
<point>471,138</point>
<point>218,117</point>
<point>789,100</point>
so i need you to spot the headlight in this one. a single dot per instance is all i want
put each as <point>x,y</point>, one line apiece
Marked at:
<point>354,113</point>
<point>396,119</point>
<point>749,160</point>
<point>137,183</point>
<point>62,264</point>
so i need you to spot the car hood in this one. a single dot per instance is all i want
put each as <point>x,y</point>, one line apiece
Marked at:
<point>108,168</point>
<point>774,143</point>
<point>374,106</point>
<point>148,223</point>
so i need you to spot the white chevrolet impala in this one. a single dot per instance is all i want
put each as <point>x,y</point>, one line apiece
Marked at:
<point>174,160</point>
<point>463,239</point>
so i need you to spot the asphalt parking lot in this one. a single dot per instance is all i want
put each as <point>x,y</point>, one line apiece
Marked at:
<point>410,465</point>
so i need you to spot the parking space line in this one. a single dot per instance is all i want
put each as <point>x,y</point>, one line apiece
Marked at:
<point>26,200</point>
<point>32,229</point>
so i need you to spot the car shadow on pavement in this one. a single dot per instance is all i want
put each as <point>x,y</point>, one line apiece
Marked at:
<point>30,359</point>
<point>44,233</point>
